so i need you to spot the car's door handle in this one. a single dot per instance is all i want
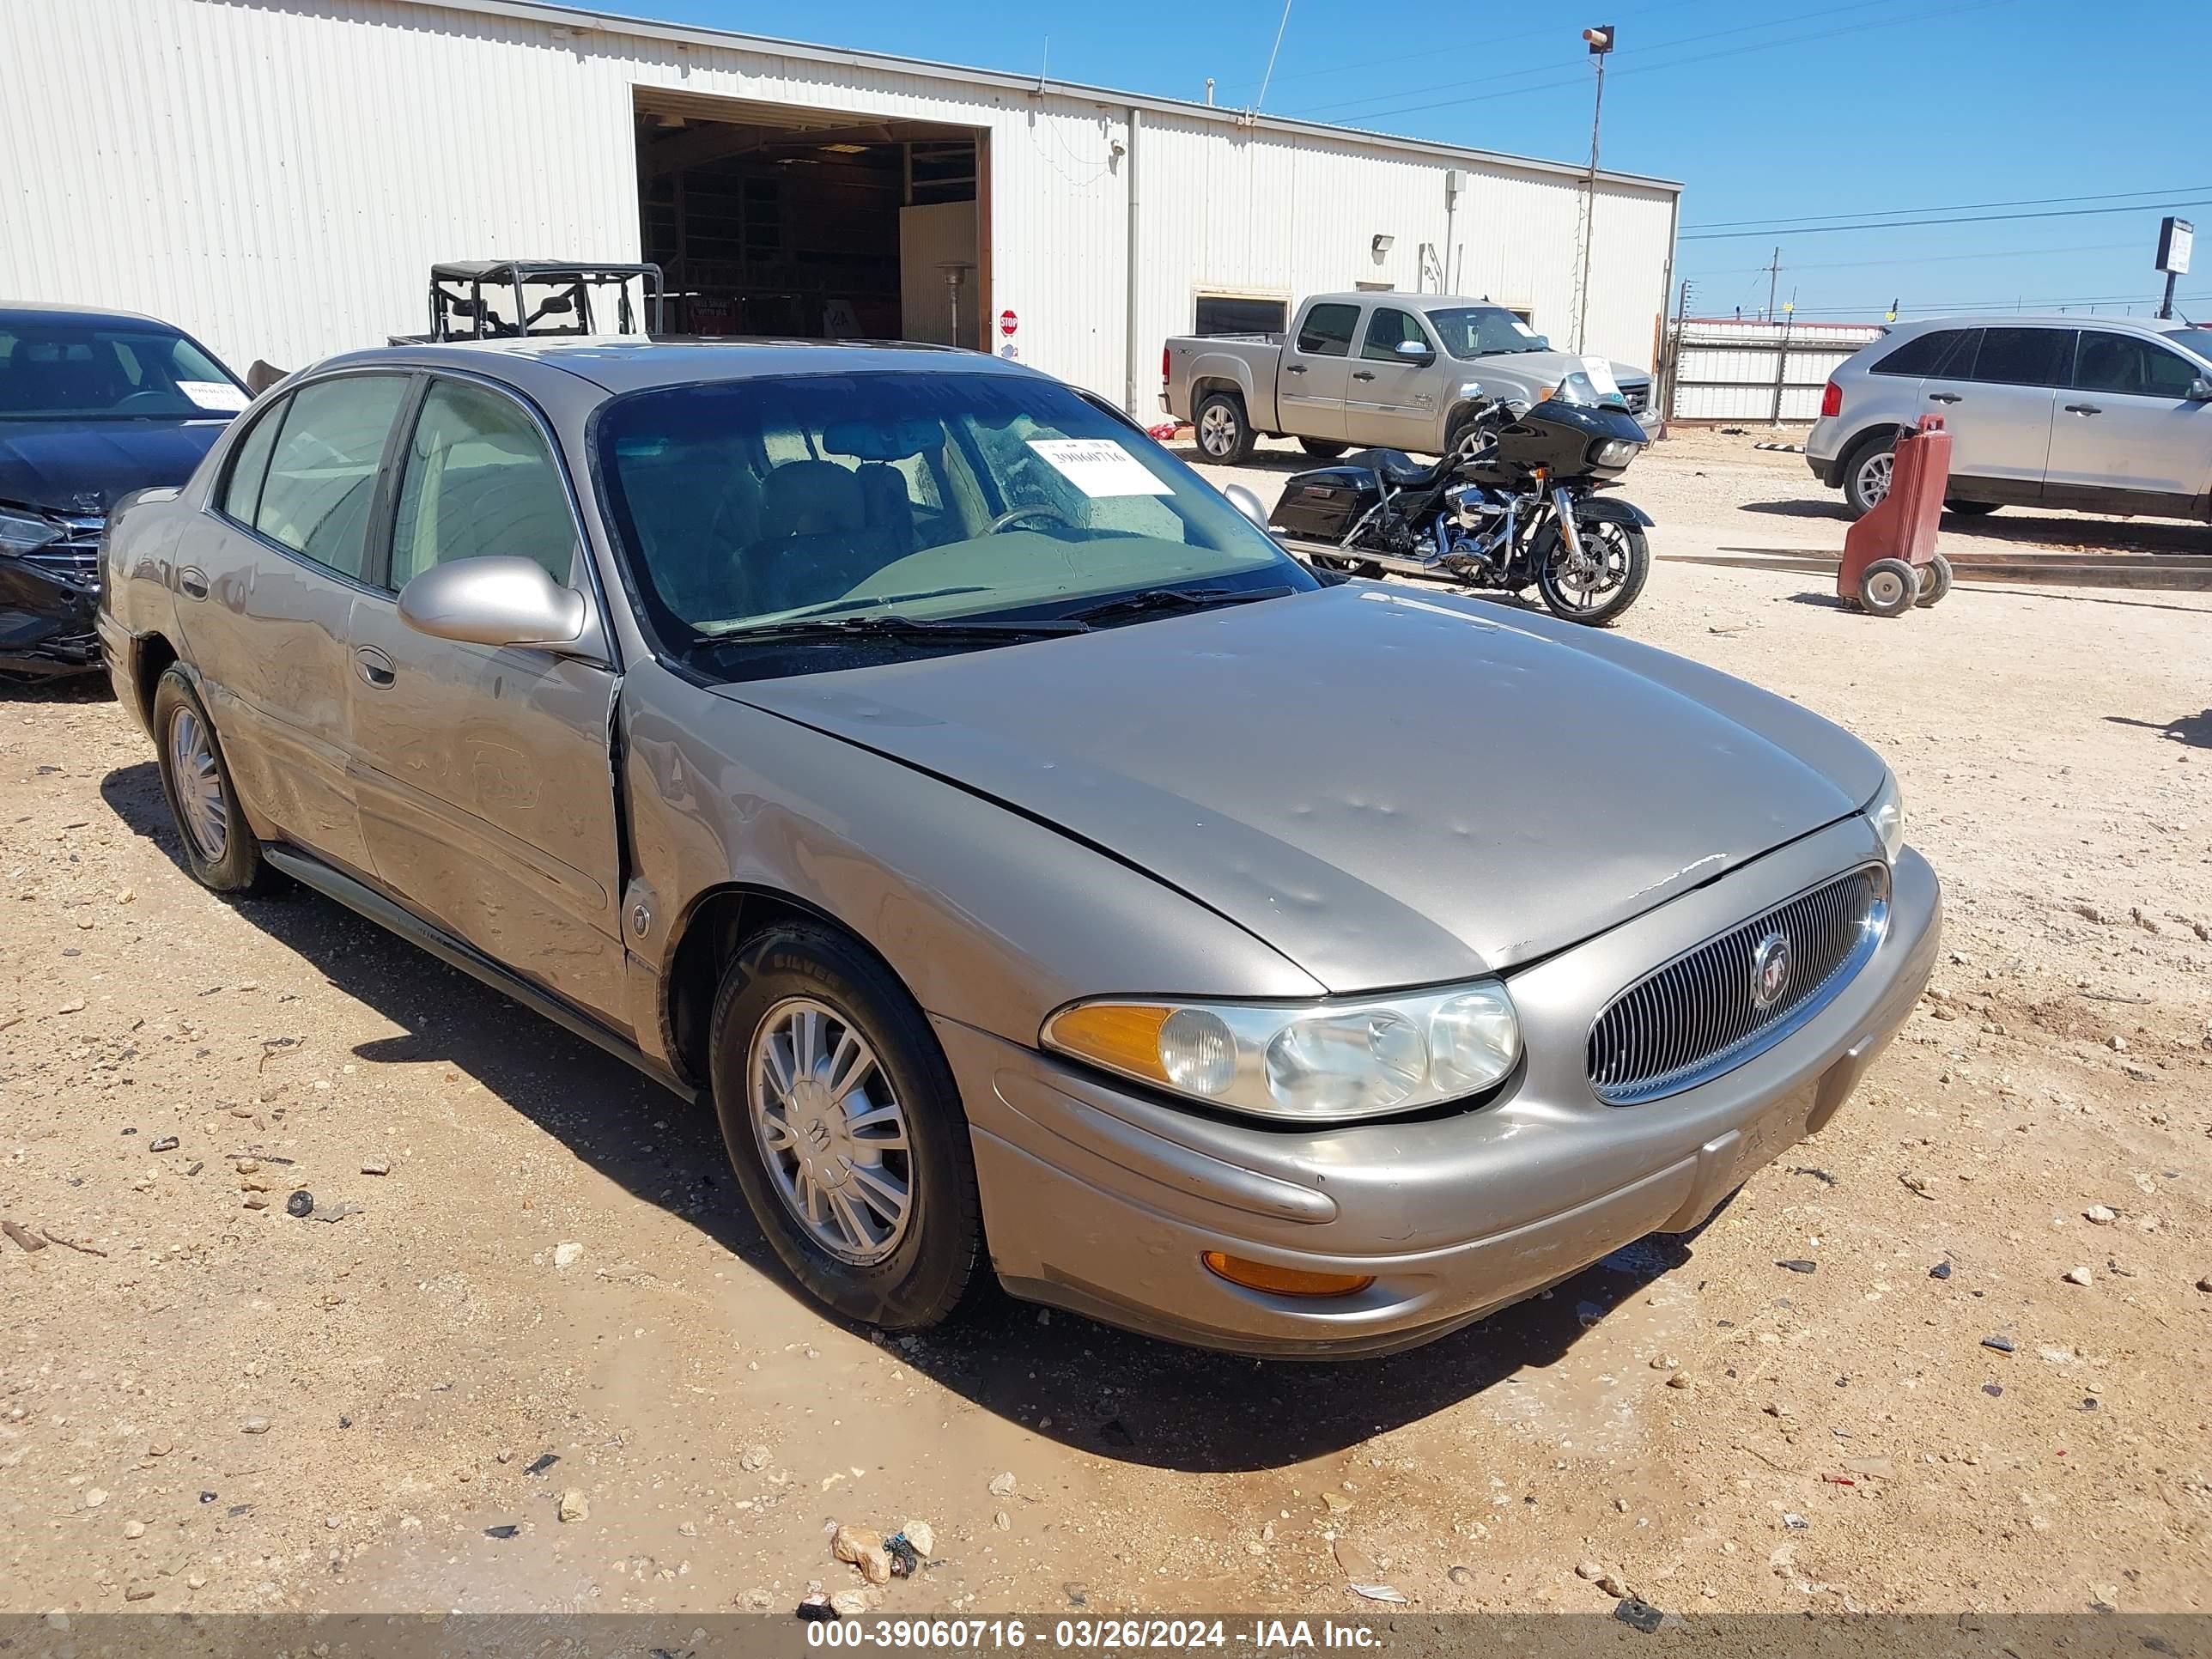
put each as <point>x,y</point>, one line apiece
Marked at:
<point>1296,368</point>
<point>374,666</point>
<point>1945,398</point>
<point>2084,409</point>
<point>1362,374</point>
<point>192,582</point>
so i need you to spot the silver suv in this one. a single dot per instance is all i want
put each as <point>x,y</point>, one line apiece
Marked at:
<point>2110,415</point>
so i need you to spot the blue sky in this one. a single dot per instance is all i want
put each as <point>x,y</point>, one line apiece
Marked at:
<point>1837,108</point>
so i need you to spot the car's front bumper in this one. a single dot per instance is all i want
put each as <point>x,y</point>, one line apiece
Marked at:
<point>1101,1200</point>
<point>46,622</point>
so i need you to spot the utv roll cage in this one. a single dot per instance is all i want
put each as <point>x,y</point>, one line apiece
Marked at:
<point>466,298</point>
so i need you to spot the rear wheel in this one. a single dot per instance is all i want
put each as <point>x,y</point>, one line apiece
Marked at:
<point>1972,509</point>
<point>845,1128</point>
<point>1224,434</point>
<point>1867,473</point>
<point>1322,449</point>
<point>216,842</point>
<point>1595,586</point>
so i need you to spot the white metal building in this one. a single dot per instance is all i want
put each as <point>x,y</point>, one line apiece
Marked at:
<point>276,177</point>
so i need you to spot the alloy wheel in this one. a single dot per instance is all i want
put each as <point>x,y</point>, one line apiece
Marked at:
<point>1217,431</point>
<point>200,806</point>
<point>1874,477</point>
<point>831,1130</point>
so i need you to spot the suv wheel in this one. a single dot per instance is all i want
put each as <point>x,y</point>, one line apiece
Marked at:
<point>1867,474</point>
<point>845,1128</point>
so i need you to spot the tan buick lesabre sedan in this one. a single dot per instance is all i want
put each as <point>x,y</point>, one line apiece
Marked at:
<point>1030,863</point>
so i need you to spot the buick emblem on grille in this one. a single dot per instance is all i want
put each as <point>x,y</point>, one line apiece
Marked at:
<point>1770,971</point>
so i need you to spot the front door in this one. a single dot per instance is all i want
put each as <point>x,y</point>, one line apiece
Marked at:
<point>2128,424</point>
<point>266,584</point>
<point>1998,406</point>
<point>1313,371</point>
<point>482,775</point>
<point>1392,400</point>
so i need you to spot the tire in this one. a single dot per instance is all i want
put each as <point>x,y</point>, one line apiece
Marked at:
<point>1935,580</point>
<point>1322,449</point>
<point>1867,472</point>
<point>1625,545</point>
<point>854,1257</point>
<point>215,842</point>
<point>1223,435</point>
<point>1889,587</point>
<point>1972,509</point>
<point>1458,434</point>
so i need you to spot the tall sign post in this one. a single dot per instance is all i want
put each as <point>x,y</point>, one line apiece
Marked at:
<point>2175,238</point>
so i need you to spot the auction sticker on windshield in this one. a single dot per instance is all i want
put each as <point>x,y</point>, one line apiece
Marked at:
<point>1099,467</point>
<point>214,394</point>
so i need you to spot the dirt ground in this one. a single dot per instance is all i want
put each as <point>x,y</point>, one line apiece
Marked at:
<point>207,1403</point>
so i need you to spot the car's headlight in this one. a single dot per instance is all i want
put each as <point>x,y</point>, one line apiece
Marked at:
<point>1885,812</point>
<point>1318,1063</point>
<point>23,533</point>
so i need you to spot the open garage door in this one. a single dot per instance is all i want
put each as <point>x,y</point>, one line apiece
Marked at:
<point>810,223</point>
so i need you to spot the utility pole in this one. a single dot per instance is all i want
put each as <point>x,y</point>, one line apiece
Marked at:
<point>1600,41</point>
<point>1773,276</point>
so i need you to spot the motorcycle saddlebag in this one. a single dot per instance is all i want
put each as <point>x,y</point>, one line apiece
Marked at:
<point>1321,506</point>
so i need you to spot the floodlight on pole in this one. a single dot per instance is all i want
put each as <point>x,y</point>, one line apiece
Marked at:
<point>1599,39</point>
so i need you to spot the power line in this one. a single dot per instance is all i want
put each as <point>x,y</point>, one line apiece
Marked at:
<point>1793,221</point>
<point>1939,307</point>
<point>1920,260</point>
<point>1906,224</point>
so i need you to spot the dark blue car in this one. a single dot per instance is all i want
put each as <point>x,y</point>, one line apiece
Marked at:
<point>94,405</point>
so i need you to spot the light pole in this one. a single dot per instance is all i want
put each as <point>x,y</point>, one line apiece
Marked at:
<point>1600,41</point>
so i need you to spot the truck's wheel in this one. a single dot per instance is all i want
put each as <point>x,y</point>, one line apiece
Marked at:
<point>1322,449</point>
<point>1224,434</point>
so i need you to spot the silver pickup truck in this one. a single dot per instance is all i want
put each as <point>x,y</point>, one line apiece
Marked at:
<point>1397,371</point>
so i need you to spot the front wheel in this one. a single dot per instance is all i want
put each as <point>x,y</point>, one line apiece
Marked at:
<point>1595,586</point>
<point>845,1128</point>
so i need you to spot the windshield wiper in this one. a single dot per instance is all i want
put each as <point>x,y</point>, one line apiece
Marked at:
<point>808,629</point>
<point>1174,599</point>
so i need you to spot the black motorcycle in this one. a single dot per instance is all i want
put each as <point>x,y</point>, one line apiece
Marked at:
<point>1516,508</point>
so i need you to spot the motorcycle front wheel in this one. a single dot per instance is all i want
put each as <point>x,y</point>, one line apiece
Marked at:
<point>1595,587</point>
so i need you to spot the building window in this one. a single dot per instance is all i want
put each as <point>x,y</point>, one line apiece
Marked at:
<point>1235,313</point>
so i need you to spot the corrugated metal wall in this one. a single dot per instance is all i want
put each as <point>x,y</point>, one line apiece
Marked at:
<point>1757,371</point>
<point>277,178</point>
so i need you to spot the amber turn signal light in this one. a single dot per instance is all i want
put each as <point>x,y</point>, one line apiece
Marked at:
<point>1284,1281</point>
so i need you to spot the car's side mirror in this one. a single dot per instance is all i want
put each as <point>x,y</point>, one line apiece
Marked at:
<point>497,600</point>
<point>1415,352</point>
<point>1247,503</point>
<point>2200,390</point>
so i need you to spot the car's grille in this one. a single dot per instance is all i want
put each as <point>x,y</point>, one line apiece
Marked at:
<point>75,557</point>
<point>1636,394</point>
<point>1701,1014</point>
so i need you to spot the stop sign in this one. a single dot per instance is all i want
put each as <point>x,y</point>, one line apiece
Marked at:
<point>1008,323</point>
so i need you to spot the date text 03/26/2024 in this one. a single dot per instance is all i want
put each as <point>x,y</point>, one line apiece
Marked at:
<point>1254,1635</point>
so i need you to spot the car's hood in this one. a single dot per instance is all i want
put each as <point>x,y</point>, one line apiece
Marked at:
<point>1390,789</point>
<point>83,467</point>
<point>1550,368</point>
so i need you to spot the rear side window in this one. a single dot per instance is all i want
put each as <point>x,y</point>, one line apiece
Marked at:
<point>479,481</point>
<point>2025,356</point>
<point>2125,364</point>
<point>1328,331</point>
<point>249,464</point>
<point>1925,354</point>
<point>322,471</point>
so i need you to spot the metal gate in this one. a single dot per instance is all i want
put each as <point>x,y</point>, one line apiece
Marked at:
<point>1723,370</point>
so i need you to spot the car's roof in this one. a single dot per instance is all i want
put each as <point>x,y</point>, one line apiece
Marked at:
<point>622,364</point>
<point>39,310</point>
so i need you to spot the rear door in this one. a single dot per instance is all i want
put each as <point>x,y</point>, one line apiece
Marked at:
<point>483,776</point>
<point>2127,424</point>
<point>1392,401</point>
<point>1998,406</point>
<point>1314,369</point>
<point>266,582</point>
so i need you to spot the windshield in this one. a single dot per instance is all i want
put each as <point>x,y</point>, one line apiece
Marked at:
<point>1484,332</point>
<point>1590,386</point>
<point>752,504</point>
<point>109,371</point>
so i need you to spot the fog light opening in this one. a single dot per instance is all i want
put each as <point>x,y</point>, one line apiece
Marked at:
<point>1283,1281</point>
